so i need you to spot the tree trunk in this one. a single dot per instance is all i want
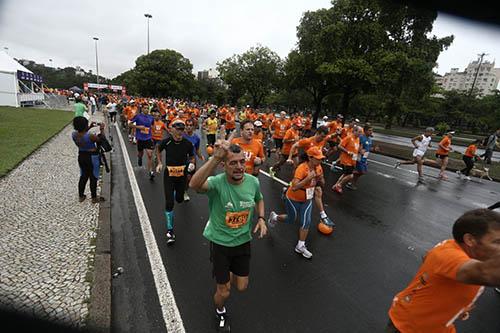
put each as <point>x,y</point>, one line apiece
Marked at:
<point>317,111</point>
<point>346,100</point>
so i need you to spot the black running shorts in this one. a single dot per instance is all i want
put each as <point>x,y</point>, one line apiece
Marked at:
<point>144,144</point>
<point>229,259</point>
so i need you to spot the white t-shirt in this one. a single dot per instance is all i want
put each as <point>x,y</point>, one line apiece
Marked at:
<point>92,100</point>
<point>424,144</point>
<point>111,107</point>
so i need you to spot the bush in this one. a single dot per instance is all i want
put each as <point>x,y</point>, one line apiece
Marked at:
<point>442,128</point>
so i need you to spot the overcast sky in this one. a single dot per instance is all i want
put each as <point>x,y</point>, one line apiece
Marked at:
<point>203,31</point>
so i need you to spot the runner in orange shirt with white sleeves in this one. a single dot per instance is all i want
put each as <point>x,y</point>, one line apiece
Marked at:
<point>451,277</point>
<point>253,149</point>
<point>349,150</point>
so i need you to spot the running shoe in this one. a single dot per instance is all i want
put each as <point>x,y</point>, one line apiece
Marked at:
<point>134,140</point>
<point>186,197</point>
<point>497,289</point>
<point>271,172</point>
<point>151,175</point>
<point>304,251</point>
<point>326,220</point>
<point>467,178</point>
<point>271,221</point>
<point>459,174</point>
<point>81,199</point>
<point>337,189</point>
<point>222,322</point>
<point>442,176</point>
<point>170,237</point>
<point>98,199</point>
<point>351,186</point>
<point>420,180</point>
<point>397,165</point>
<point>139,161</point>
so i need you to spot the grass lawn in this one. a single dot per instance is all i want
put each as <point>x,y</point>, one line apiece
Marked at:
<point>454,162</point>
<point>23,130</point>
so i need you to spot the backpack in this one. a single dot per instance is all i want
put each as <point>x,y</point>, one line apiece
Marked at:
<point>104,143</point>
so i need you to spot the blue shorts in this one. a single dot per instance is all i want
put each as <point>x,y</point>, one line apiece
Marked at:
<point>361,167</point>
<point>299,209</point>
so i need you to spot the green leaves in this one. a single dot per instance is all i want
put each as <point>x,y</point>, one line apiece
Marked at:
<point>257,72</point>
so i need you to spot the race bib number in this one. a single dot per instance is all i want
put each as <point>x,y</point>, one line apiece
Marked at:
<point>145,130</point>
<point>365,155</point>
<point>355,157</point>
<point>176,171</point>
<point>236,220</point>
<point>309,193</point>
<point>282,127</point>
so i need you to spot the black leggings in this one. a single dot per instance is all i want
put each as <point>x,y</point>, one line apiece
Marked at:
<point>89,167</point>
<point>469,164</point>
<point>171,185</point>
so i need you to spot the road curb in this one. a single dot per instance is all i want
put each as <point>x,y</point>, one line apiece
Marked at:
<point>100,295</point>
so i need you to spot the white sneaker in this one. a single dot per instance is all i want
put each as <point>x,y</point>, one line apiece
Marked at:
<point>272,220</point>
<point>397,165</point>
<point>459,174</point>
<point>467,178</point>
<point>186,197</point>
<point>304,251</point>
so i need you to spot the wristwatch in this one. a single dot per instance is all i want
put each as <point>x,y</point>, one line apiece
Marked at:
<point>261,217</point>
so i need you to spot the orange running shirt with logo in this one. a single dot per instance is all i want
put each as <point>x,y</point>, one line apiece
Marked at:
<point>300,173</point>
<point>445,142</point>
<point>351,144</point>
<point>258,136</point>
<point>311,142</point>
<point>471,151</point>
<point>434,299</point>
<point>157,130</point>
<point>280,127</point>
<point>230,121</point>
<point>251,150</point>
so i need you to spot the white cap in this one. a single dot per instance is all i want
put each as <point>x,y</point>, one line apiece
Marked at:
<point>76,95</point>
<point>132,101</point>
<point>248,106</point>
<point>325,117</point>
<point>258,123</point>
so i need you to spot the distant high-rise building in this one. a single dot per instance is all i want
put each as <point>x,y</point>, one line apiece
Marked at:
<point>208,74</point>
<point>485,84</point>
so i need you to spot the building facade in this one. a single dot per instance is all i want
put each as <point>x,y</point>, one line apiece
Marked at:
<point>485,83</point>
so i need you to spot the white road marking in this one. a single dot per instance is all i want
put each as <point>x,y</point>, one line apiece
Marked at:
<point>171,315</point>
<point>281,181</point>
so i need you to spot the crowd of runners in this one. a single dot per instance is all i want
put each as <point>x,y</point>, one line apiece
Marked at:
<point>244,143</point>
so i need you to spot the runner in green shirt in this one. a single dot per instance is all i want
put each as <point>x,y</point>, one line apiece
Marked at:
<point>232,197</point>
<point>79,108</point>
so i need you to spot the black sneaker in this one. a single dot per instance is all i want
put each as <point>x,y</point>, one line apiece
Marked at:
<point>151,175</point>
<point>170,237</point>
<point>222,322</point>
<point>139,161</point>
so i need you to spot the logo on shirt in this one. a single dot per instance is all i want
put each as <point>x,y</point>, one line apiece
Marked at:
<point>246,204</point>
<point>229,206</point>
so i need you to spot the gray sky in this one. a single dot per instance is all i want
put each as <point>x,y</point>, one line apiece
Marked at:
<point>203,31</point>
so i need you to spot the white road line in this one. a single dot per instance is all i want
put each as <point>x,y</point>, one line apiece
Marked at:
<point>274,178</point>
<point>171,315</point>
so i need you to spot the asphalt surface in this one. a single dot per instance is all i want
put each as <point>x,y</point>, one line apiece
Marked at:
<point>407,142</point>
<point>383,229</point>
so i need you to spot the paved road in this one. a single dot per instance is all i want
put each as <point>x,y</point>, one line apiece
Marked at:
<point>383,229</point>
<point>407,142</point>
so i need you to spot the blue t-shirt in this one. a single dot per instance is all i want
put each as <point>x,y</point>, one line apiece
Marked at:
<point>195,140</point>
<point>146,120</point>
<point>365,143</point>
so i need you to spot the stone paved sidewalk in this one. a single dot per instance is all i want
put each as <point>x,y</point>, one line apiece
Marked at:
<point>46,235</point>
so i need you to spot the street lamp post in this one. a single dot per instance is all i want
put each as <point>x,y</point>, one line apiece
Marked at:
<point>96,62</point>
<point>148,16</point>
<point>50,60</point>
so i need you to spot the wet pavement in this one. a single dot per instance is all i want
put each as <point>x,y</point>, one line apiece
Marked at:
<point>399,140</point>
<point>383,229</point>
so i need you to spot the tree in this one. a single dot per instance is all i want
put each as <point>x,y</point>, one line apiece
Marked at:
<point>256,72</point>
<point>160,73</point>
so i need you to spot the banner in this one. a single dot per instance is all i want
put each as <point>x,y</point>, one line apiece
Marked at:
<point>25,76</point>
<point>113,87</point>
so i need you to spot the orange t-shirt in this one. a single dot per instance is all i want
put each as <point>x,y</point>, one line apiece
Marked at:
<point>333,126</point>
<point>263,118</point>
<point>290,134</point>
<point>252,150</point>
<point>131,112</point>
<point>351,144</point>
<point>258,136</point>
<point>471,151</point>
<point>307,192</point>
<point>280,127</point>
<point>157,130</point>
<point>445,142</point>
<point>434,299</point>
<point>311,142</point>
<point>230,121</point>
<point>345,131</point>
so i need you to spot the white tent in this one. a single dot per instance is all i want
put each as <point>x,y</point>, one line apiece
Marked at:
<point>9,85</point>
